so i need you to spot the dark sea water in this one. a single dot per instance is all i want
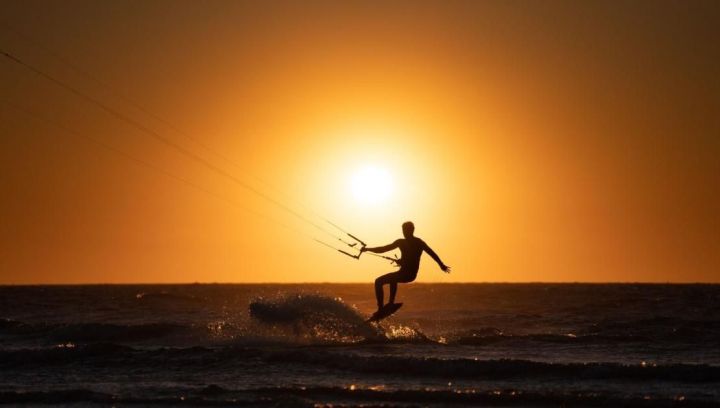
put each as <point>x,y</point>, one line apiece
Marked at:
<point>308,345</point>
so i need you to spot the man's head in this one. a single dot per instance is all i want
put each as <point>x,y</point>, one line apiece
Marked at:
<point>408,229</point>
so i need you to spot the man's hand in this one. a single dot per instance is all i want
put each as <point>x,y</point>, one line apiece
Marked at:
<point>445,268</point>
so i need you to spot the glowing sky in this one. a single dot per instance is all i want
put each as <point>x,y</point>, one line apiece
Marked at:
<point>528,141</point>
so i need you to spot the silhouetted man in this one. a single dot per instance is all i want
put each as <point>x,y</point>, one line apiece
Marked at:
<point>411,248</point>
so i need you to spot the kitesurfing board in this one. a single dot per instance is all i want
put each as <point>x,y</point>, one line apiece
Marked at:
<point>384,312</point>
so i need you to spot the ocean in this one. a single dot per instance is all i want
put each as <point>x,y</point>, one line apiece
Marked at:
<point>308,345</point>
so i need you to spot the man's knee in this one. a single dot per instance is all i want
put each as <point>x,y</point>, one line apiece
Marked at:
<point>385,279</point>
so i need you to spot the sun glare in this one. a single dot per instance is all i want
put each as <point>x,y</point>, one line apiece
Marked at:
<point>371,185</point>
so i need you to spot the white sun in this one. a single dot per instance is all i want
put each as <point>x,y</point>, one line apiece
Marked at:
<point>371,185</point>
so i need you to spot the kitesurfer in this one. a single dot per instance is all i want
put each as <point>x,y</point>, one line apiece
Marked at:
<point>411,248</point>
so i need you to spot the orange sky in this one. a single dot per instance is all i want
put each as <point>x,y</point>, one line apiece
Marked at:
<point>529,141</point>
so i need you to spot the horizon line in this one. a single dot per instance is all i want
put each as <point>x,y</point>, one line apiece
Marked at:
<point>368,283</point>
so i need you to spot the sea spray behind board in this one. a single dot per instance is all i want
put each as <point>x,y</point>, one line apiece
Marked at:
<point>314,316</point>
<point>516,345</point>
<point>317,317</point>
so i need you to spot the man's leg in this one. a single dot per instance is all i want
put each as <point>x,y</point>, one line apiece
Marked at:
<point>379,293</point>
<point>393,291</point>
<point>390,278</point>
<point>400,277</point>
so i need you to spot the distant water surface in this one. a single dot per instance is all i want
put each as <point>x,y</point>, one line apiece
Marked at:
<point>308,344</point>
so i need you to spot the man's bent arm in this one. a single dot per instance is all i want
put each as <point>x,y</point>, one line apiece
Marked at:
<point>381,249</point>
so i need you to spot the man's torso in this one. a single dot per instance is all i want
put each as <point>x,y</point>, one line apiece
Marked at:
<point>410,249</point>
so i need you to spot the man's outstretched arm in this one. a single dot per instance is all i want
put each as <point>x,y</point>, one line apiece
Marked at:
<point>437,259</point>
<point>381,249</point>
